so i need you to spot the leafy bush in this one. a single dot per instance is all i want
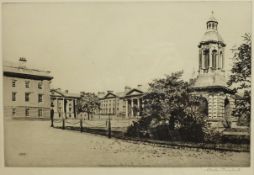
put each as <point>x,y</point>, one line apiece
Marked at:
<point>170,112</point>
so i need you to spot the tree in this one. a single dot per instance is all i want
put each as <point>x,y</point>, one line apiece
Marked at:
<point>168,106</point>
<point>240,79</point>
<point>88,103</point>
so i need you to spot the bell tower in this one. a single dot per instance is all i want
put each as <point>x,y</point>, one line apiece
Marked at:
<point>211,82</point>
<point>211,49</point>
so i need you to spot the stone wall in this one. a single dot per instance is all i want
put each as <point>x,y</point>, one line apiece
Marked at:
<point>218,115</point>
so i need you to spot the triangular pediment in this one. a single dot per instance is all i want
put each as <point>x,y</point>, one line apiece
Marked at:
<point>110,95</point>
<point>55,93</point>
<point>134,92</point>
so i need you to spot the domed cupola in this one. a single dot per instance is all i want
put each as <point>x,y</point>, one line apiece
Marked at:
<point>212,34</point>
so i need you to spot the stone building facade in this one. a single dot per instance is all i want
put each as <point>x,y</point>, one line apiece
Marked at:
<point>126,104</point>
<point>112,104</point>
<point>211,81</point>
<point>26,91</point>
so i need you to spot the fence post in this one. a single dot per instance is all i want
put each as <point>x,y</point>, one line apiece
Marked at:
<point>63,127</point>
<point>109,128</point>
<point>81,125</point>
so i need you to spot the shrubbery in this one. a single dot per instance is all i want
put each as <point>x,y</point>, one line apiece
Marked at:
<point>193,132</point>
<point>170,112</point>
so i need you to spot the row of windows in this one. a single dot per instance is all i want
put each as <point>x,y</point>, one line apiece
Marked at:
<point>27,112</point>
<point>109,101</point>
<point>27,84</point>
<point>105,105</point>
<point>108,110</point>
<point>27,97</point>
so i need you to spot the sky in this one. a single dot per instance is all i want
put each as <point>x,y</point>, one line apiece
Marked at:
<point>99,46</point>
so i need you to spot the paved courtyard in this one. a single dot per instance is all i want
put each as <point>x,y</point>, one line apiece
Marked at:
<point>34,143</point>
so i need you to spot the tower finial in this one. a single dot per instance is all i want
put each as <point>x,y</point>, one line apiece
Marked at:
<point>212,12</point>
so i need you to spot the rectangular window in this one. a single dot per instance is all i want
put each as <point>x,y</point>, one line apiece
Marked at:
<point>27,84</point>
<point>14,83</point>
<point>40,112</point>
<point>27,111</point>
<point>13,111</point>
<point>40,85</point>
<point>39,98</point>
<point>27,97</point>
<point>14,96</point>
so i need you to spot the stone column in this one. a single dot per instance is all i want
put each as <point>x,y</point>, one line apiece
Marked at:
<point>200,61</point>
<point>57,107</point>
<point>138,106</point>
<point>210,59</point>
<point>63,114</point>
<point>67,108</point>
<point>126,108</point>
<point>132,107</point>
<point>217,61</point>
<point>222,60</point>
<point>203,61</point>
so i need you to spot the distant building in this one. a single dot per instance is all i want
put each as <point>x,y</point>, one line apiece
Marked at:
<point>127,103</point>
<point>64,103</point>
<point>112,104</point>
<point>26,91</point>
<point>210,83</point>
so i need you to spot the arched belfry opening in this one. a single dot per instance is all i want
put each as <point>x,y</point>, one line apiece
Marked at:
<point>214,61</point>
<point>206,59</point>
<point>203,106</point>
<point>227,108</point>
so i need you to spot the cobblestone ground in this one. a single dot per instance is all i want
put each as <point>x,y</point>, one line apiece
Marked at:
<point>34,143</point>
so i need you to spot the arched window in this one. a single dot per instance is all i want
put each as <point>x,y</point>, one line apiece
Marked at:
<point>206,59</point>
<point>214,54</point>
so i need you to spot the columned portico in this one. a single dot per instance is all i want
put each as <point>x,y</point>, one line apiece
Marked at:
<point>133,106</point>
<point>64,106</point>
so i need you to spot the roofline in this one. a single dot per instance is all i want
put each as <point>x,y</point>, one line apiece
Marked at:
<point>211,41</point>
<point>133,90</point>
<point>216,88</point>
<point>27,76</point>
<point>55,90</point>
<point>104,97</point>
<point>212,21</point>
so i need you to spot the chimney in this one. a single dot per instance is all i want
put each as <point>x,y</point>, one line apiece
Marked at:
<point>66,91</point>
<point>59,89</point>
<point>139,86</point>
<point>22,62</point>
<point>127,88</point>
